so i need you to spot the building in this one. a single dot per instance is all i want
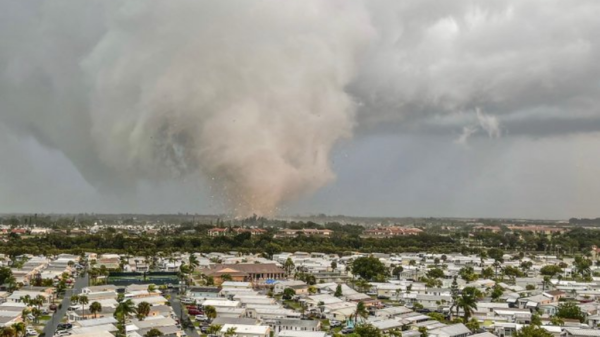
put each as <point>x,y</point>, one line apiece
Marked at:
<point>246,272</point>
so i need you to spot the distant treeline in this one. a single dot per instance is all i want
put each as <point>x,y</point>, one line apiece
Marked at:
<point>583,221</point>
<point>108,241</point>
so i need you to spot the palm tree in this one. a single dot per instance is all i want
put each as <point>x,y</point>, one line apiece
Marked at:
<point>214,329</point>
<point>210,312</point>
<point>95,308</point>
<point>19,328</point>
<point>8,332</point>
<point>143,310</point>
<point>467,301</point>
<point>230,332</point>
<point>151,288</point>
<point>124,310</point>
<point>361,310</point>
<point>83,300</point>
<point>74,299</point>
<point>39,300</point>
<point>25,299</point>
<point>193,261</point>
<point>36,312</point>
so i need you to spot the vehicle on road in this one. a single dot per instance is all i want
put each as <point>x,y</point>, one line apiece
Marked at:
<point>64,326</point>
<point>334,324</point>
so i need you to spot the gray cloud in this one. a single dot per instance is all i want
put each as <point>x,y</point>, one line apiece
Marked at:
<point>250,97</point>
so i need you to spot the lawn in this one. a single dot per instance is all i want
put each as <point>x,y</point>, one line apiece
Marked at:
<point>293,304</point>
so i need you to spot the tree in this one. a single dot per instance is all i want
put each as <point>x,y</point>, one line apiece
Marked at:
<point>74,299</point>
<point>214,329</point>
<point>570,310</point>
<point>193,261</point>
<point>467,301</point>
<point>20,328</point>
<point>396,271</point>
<point>423,332</point>
<point>83,300</point>
<point>437,316</point>
<point>8,332</point>
<point>272,249</point>
<point>468,274</point>
<point>557,321</point>
<point>36,313</point>
<point>550,270</point>
<point>230,332</point>
<point>496,254</point>
<point>153,333</point>
<point>289,266</point>
<point>226,277</point>
<point>210,312</point>
<point>338,291</point>
<point>95,308</point>
<point>367,330</point>
<point>368,267</point>
<point>361,311</point>
<point>435,273</point>
<point>532,331</point>
<point>5,275</point>
<point>333,265</point>
<point>473,324</point>
<point>536,319</point>
<point>143,310</point>
<point>288,293</point>
<point>582,266</point>
<point>487,273</point>
<point>526,265</point>
<point>497,292</point>
<point>122,312</point>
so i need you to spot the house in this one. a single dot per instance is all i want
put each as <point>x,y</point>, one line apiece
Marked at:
<point>392,312</point>
<point>293,324</point>
<point>299,287</point>
<point>579,332</point>
<point>217,232</point>
<point>247,330</point>
<point>454,330</point>
<point>246,272</point>
<point>297,333</point>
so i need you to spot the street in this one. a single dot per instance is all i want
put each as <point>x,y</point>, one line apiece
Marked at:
<point>50,328</point>
<point>178,310</point>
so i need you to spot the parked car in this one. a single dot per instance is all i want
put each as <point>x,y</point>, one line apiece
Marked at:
<point>334,324</point>
<point>201,317</point>
<point>204,329</point>
<point>194,312</point>
<point>64,326</point>
<point>61,333</point>
<point>347,331</point>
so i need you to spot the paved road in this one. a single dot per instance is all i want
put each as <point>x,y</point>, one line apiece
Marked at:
<point>178,310</point>
<point>50,328</point>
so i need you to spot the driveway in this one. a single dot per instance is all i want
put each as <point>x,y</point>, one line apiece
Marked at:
<point>80,283</point>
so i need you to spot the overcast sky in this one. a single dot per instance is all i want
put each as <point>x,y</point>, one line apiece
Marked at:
<point>370,108</point>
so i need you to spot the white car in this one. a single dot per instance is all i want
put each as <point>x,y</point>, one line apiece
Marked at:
<point>201,317</point>
<point>62,333</point>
